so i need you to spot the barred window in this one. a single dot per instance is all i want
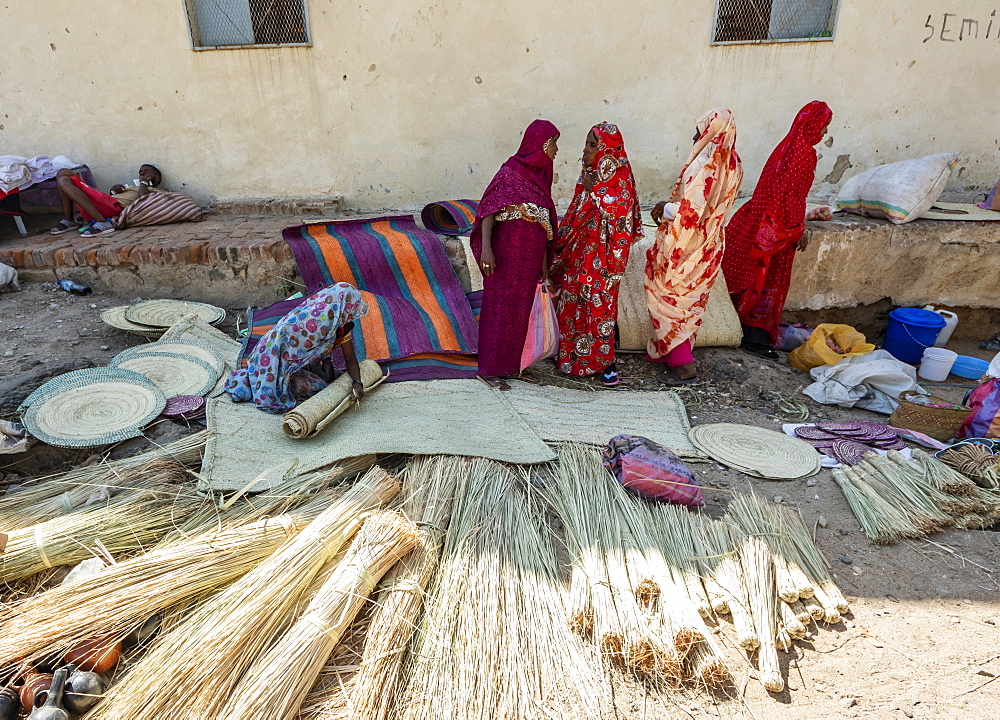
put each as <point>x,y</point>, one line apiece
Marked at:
<point>761,21</point>
<point>243,23</point>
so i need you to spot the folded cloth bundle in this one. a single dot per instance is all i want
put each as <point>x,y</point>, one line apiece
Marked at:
<point>311,416</point>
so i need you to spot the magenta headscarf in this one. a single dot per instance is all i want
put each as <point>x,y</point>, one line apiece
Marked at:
<point>525,178</point>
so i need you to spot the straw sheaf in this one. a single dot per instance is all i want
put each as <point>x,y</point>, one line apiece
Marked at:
<point>161,314</point>
<point>115,317</point>
<point>225,634</point>
<point>173,374</point>
<point>756,451</point>
<point>94,409</point>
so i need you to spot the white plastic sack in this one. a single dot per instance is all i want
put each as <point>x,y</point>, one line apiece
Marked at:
<point>873,382</point>
<point>899,192</point>
<point>8,279</point>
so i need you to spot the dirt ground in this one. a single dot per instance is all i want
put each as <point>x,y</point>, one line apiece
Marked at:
<point>923,640</point>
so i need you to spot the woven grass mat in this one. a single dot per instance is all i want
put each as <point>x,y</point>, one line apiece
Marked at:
<point>720,325</point>
<point>968,212</point>
<point>558,414</point>
<point>446,417</point>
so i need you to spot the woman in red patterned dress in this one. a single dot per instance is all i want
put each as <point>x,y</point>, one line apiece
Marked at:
<point>594,241</point>
<point>763,235</point>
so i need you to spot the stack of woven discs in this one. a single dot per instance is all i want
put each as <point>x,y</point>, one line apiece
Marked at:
<point>756,451</point>
<point>848,441</point>
<point>178,368</point>
<point>151,318</point>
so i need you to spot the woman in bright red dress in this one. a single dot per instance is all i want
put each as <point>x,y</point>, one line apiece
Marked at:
<point>602,223</point>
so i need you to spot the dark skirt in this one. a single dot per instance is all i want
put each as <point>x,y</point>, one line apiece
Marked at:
<point>519,248</point>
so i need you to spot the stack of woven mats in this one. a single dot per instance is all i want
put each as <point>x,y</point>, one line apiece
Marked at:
<point>419,324</point>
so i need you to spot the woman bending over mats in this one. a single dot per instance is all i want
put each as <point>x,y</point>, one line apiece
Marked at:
<point>291,362</point>
<point>591,254</point>
<point>684,261</point>
<point>512,241</point>
<point>763,235</point>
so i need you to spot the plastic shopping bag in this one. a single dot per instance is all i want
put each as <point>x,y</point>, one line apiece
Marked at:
<point>816,350</point>
<point>984,422</point>
<point>542,338</point>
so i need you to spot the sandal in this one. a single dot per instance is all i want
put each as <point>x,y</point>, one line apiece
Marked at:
<point>669,377</point>
<point>495,382</point>
<point>760,350</point>
<point>610,377</point>
<point>64,226</point>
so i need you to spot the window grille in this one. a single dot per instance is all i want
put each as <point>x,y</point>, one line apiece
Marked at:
<point>761,21</point>
<point>243,23</point>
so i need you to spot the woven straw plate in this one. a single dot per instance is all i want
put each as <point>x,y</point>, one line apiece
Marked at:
<point>756,451</point>
<point>180,348</point>
<point>174,374</point>
<point>164,313</point>
<point>115,317</point>
<point>98,373</point>
<point>85,411</point>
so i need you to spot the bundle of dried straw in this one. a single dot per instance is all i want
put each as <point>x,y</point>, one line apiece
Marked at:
<point>190,672</point>
<point>279,680</point>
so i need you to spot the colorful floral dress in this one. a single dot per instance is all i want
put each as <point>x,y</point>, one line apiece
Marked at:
<point>276,377</point>
<point>591,254</point>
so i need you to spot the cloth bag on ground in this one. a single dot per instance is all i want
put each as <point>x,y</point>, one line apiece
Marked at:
<point>873,381</point>
<point>815,351</point>
<point>984,422</point>
<point>542,338</point>
<point>651,470</point>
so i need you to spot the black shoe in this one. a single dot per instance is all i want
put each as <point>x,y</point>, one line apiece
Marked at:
<point>760,350</point>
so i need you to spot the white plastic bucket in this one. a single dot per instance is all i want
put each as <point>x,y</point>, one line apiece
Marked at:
<point>936,364</point>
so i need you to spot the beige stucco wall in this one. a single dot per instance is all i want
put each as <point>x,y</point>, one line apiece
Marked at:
<point>398,103</point>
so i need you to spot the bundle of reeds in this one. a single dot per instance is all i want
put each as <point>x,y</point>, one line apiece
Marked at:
<point>275,685</point>
<point>881,518</point>
<point>43,498</point>
<point>758,576</point>
<point>429,484</point>
<point>493,643</point>
<point>190,672</point>
<point>129,522</point>
<point>971,506</point>
<point>719,554</point>
<point>121,597</point>
<point>976,463</point>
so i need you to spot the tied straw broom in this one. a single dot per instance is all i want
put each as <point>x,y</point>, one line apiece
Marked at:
<point>758,575</point>
<point>276,684</point>
<point>493,643</point>
<point>43,498</point>
<point>429,484</point>
<point>121,597</point>
<point>190,672</point>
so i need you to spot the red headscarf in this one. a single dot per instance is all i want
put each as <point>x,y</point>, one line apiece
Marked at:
<point>614,187</point>
<point>774,218</point>
<point>525,178</point>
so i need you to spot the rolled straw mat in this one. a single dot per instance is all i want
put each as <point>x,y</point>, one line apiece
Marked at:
<point>562,415</point>
<point>720,325</point>
<point>320,410</point>
<point>173,374</point>
<point>94,409</point>
<point>968,212</point>
<point>115,317</point>
<point>756,451</point>
<point>163,313</point>
<point>431,417</point>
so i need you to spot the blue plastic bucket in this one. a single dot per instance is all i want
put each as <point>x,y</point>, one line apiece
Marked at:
<point>910,332</point>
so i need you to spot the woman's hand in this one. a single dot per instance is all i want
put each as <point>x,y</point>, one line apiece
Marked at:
<point>587,179</point>
<point>487,263</point>
<point>358,390</point>
<point>803,243</point>
<point>657,212</point>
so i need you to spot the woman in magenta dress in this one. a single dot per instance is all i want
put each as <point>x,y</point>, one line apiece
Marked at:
<point>512,242</point>
<point>600,226</point>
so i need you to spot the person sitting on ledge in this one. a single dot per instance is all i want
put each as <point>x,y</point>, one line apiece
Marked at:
<point>97,208</point>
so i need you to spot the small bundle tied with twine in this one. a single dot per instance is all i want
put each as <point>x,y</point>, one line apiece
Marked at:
<point>310,417</point>
<point>277,683</point>
<point>190,672</point>
<point>976,462</point>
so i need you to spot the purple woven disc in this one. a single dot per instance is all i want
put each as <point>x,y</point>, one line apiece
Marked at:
<point>813,433</point>
<point>896,444</point>
<point>821,444</point>
<point>184,405</point>
<point>845,426</point>
<point>848,451</point>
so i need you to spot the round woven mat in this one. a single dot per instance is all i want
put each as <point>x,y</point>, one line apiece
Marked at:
<point>185,406</point>
<point>199,351</point>
<point>164,313</point>
<point>115,317</point>
<point>174,374</point>
<point>94,410</point>
<point>756,451</point>
<point>57,382</point>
